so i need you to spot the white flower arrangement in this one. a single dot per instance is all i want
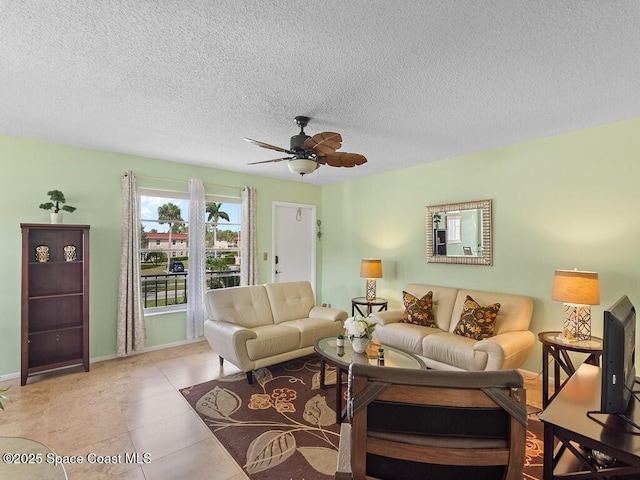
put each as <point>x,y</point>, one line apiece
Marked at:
<point>358,326</point>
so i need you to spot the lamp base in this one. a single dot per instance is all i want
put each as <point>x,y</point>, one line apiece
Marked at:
<point>371,289</point>
<point>577,322</point>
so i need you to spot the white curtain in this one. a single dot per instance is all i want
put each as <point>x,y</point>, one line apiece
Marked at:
<point>196,281</point>
<point>131,334</point>
<point>248,248</point>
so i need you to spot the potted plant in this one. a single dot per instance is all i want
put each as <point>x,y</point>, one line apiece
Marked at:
<point>3,397</point>
<point>359,331</point>
<point>437,218</point>
<point>56,205</point>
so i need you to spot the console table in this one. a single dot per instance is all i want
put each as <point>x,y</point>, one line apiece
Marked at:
<point>566,420</point>
<point>554,348</point>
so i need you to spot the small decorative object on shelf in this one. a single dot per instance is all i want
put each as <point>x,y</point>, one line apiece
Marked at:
<point>69,253</point>
<point>42,253</point>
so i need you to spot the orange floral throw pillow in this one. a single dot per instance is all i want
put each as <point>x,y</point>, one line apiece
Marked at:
<point>418,311</point>
<point>476,321</point>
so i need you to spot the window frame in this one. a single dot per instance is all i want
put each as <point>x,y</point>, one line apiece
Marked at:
<point>176,248</point>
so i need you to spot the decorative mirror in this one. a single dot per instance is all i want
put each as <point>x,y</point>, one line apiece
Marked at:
<point>459,233</point>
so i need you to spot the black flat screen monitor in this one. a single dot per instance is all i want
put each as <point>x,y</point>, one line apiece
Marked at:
<point>618,356</point>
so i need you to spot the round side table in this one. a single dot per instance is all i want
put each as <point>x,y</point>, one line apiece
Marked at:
<point>358,302</point>
<point>557,349</point>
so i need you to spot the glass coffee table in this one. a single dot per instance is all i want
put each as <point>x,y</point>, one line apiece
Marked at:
<point>341,358</point>
<point>26,459</point>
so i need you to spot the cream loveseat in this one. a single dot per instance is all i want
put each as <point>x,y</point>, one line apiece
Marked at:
<point>441,348</point>
<point>258,326</point>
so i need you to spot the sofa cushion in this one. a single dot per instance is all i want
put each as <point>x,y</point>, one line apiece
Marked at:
<point>290,300</point>
<point>405,336</point>
<point>455,350</point>
<point>418,311</point>
<point>248,307</point>
<point>272,340</point>
<point>477,322</point>
<point>312,329</point>
<point>444,299</point>
<point>515,310</point>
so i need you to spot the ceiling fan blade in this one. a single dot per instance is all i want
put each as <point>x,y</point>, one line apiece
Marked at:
<point>266,145</point>
<point>272,161</point>
<point>342,159</point>
<point>324,143</point>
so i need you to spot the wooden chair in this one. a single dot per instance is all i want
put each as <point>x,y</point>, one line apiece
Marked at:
<point>433,424</point>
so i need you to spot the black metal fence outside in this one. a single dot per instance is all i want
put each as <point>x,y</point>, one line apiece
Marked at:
<point>171,289</point>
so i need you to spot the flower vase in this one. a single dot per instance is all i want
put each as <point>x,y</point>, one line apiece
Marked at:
<point>360,344</point>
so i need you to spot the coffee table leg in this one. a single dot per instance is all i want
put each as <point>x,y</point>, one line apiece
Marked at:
<point>322,371</point>
<point>338,395</point>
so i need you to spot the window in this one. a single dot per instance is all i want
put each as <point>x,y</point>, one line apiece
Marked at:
<point>454,235</point>
<point>165,237</point>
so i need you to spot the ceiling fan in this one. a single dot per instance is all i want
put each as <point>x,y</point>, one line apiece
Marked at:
<point>307,153</point>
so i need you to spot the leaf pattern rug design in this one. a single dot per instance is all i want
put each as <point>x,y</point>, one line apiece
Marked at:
<point>283,426</point>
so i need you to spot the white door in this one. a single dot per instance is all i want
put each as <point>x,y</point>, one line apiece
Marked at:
<point>294,243</point>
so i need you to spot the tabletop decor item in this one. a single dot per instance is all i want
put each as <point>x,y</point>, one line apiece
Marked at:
<point>69,253</point>
<point>359,330</point>
<point>42,253</point>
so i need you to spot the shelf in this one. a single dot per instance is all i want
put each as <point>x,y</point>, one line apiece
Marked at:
<point>61,328</point>
<point>46,364</point>
<point>59,295</point>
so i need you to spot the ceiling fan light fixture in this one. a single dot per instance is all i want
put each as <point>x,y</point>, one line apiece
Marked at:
<point>302,166</point>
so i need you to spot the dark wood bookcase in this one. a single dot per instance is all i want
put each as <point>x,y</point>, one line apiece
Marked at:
<point>55,297</point>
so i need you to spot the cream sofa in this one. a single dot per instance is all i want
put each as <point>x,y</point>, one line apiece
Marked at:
<point>442,349</point>
<point>258,326</point>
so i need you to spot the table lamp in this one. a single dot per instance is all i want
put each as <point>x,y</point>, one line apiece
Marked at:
<point>371,268</point>
<point>578,290</point>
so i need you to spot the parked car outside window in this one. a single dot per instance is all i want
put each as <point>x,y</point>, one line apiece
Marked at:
<point>176,267</point>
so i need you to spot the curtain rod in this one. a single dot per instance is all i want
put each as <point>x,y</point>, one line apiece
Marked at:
<point>163,179</point>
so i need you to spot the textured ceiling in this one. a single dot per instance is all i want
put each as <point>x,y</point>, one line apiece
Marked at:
<point>404,82</point>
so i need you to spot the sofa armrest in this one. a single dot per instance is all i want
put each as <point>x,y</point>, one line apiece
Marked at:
<point>386,317</point>
<point>507,350</point>
<point>326,313</point>
<point>230,342</point>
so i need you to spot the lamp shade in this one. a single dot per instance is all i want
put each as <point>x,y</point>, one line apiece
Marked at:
<point>573,286</point>
<point>371,268</point>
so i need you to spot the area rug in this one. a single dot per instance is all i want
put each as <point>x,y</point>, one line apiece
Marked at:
<point>283,426</point>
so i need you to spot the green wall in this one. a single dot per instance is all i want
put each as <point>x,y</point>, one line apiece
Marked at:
<point>560,202</point>
<point>90,180</point>
<point>568,201</point>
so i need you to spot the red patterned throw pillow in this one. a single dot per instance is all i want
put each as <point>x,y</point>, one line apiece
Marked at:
<point>476,321</point>
<point>418,311</point>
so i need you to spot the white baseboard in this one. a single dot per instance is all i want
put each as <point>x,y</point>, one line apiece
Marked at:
<point>11,376</point>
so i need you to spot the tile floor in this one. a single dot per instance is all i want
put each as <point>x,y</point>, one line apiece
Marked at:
<point>133,405</point>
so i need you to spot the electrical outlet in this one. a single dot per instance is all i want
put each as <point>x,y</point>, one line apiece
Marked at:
<point>265,256</point>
